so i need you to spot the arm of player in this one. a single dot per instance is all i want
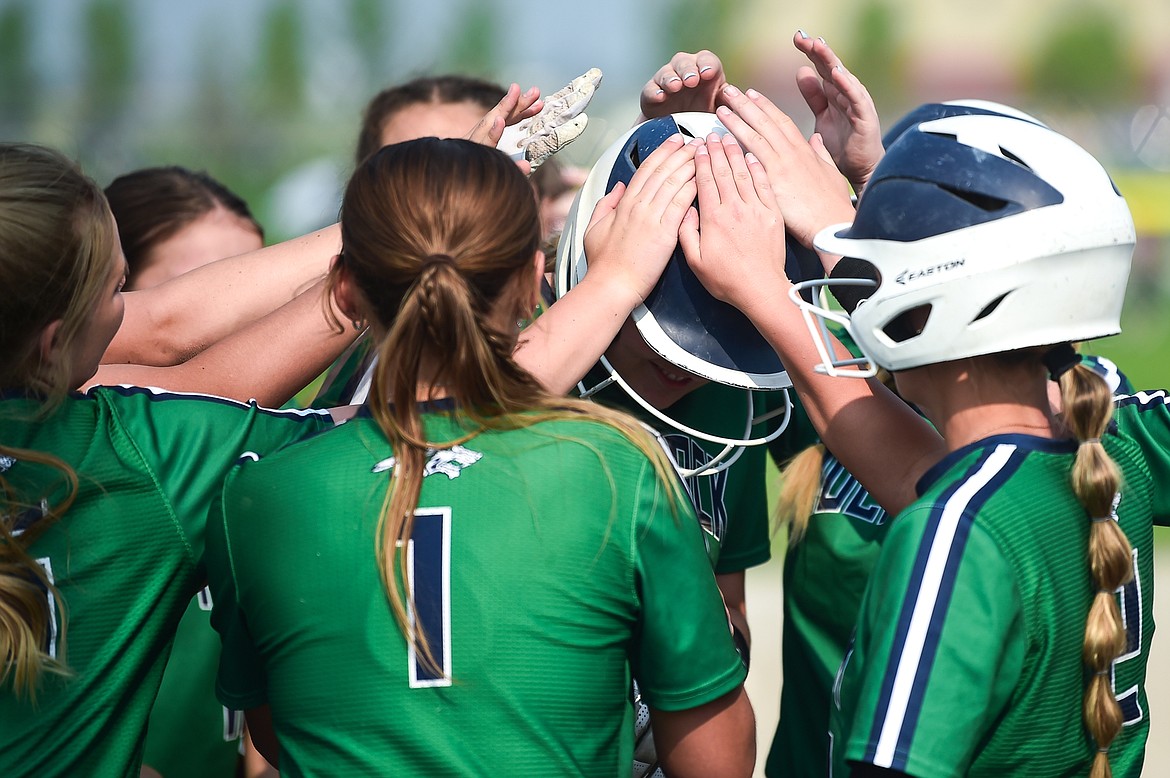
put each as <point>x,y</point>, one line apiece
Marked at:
<point>174,321</point>
<point>631,235</point>
<point>739,257</point>
<point>846,118</point>
<point>716,740</point>
<point>732,587</point>
<point>269,360</point>
<point>263,734</point>
<point>689,82</point>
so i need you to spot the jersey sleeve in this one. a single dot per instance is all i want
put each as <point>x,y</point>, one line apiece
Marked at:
<point>191,441</point>
<point>684,655</point>
<point>938,650</point>
<point>1144,418</point>
<point>240,683</point>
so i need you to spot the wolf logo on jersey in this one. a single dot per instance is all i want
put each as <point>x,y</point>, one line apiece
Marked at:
<point>451,461</point>
<point>448,461</point>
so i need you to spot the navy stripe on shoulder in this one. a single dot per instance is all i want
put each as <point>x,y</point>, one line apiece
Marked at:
<point>1143,400</point>
<point>928,597</point>
<point>155,393</point>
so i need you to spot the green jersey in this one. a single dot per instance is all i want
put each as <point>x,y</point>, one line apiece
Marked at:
<point>967,657</point>
<point>548,568</point>
<point>125,558</point>
<point>190,735</point>
<point>732,505</point>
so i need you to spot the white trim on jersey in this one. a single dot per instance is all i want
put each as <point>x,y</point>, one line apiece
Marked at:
<point>924,604</point>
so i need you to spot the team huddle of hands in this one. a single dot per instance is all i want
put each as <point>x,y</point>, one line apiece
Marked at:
<point>760,179</point>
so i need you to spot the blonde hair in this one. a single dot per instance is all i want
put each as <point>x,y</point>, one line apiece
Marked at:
<point>56,239</point>
<point>1087,407</point>
<point>441,236</point>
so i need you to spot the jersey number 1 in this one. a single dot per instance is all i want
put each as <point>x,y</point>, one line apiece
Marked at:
<point>428,563</point>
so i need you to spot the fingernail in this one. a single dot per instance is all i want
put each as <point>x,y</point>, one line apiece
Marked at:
<point>723,110</point>
<point>696,142</point>
<point>730,140</point>
<point>751,158</point>
<point>730,91</point>
<point>753,94</point>
<point>675,138</point>
<point>704,69</point>
<point>690,75</point>
<point>822,40</point>
<point>802,34</point>
<point>659,92</point>
<point>672,79</point>
<point>702,151</point>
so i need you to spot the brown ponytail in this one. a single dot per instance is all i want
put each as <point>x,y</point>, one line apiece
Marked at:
<point>1087,407</point>
<point>440,237</point>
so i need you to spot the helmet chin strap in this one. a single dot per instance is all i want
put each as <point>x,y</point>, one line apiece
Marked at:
<point>732,447</point>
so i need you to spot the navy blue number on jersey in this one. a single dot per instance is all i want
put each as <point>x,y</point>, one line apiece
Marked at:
<point>428,562</point>
<point>1131,615</point>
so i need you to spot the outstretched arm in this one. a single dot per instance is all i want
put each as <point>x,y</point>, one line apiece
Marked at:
<point>738,254</point>
<point>631,235</point>
<point>846,118</point>
<point>269,360</point>
<point>169,323</point>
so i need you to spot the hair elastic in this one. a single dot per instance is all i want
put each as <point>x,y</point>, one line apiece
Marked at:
<point>1088,441</point>
<point>1060,359</point>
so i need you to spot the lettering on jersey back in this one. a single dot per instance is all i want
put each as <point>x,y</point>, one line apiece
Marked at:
<point>706,492</point>
<point>841,493</point>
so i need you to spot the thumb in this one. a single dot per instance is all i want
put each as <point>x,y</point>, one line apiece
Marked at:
<point>818,145</point>
<point>606,205</point>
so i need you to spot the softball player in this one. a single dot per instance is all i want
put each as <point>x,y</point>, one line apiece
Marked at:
<point>105,494</point>
<point>467,583</point>
<point>987,644</point>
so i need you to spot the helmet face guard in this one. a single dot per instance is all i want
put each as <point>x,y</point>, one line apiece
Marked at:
<point>680,320</point>
<point>976,234</point>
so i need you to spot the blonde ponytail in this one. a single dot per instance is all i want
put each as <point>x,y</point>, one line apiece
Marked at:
<point>26,618</point>
<point>1087,406</point>
<point>800,484</point>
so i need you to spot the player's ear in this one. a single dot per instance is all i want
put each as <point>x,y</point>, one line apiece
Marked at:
<point>48,345</point>
<point>346,295</point>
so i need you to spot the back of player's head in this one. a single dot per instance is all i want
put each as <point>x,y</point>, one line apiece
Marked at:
<point>443,90</point>
<point>56,244</point>
<point>980,234</point>
<point>152,204</point>
<point>415,210</point>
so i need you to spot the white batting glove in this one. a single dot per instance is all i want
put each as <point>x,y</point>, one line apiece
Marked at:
<point>559,123</point>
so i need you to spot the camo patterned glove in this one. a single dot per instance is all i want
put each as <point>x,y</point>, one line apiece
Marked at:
<point>558,124</point>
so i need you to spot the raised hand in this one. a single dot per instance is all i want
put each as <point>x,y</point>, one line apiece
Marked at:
<point>634,229</point>
<point>513,107</point>
<point>808,188</point>
<point>559,123</point>
<point>689,82</point>
<point>846,117</point>
<point>735,241</point>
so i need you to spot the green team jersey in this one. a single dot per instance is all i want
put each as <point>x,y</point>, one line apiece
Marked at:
<point>967,657</point>
<point>190,735</point>
<point>125,558</point>
<point>548,569</point>
<point>732,505</point>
